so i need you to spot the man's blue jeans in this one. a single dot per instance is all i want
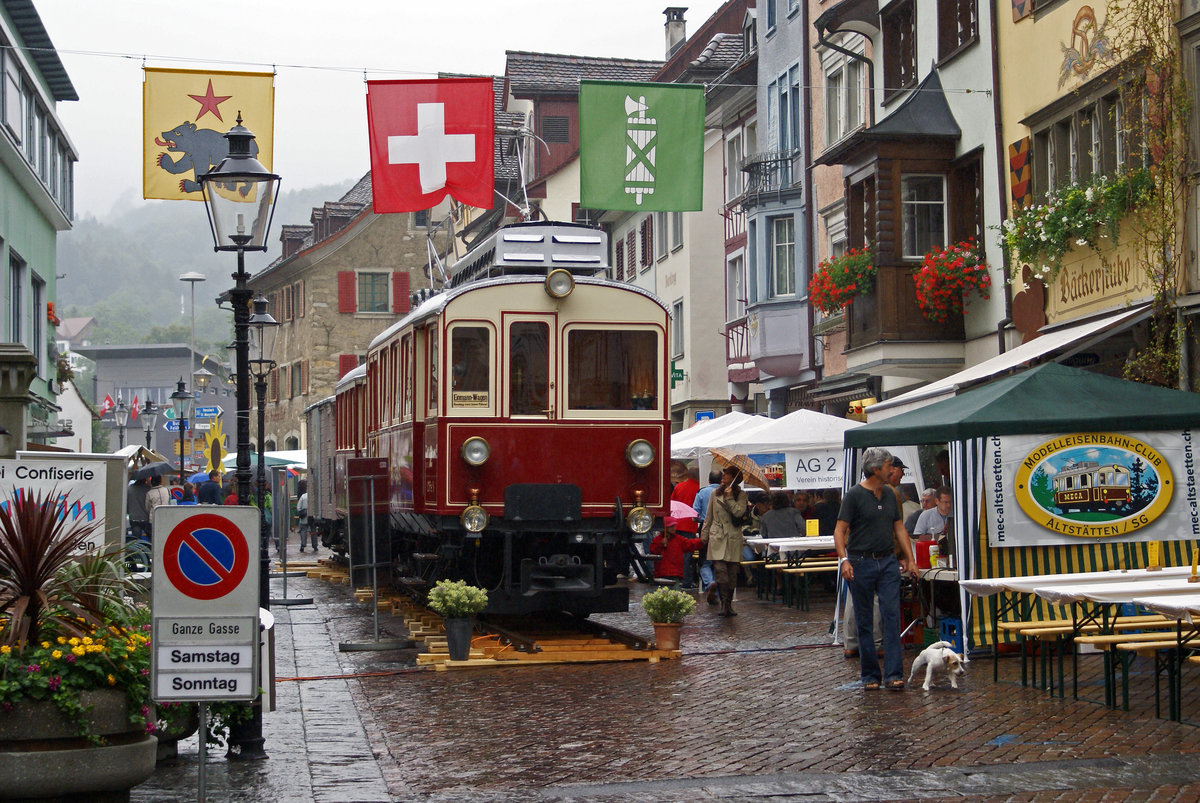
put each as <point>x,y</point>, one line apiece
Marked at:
<point>877,577</point>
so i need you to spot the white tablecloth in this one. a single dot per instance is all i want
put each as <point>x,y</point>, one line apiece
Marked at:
<point>995,585</point>
<point>1116,591</point>
<point>786,546</point>
<point>1176,606</point>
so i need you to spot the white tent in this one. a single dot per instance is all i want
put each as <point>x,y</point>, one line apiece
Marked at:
<point>803,429</point>
<point>691,442</point>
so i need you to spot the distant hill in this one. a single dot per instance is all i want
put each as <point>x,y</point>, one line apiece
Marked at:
<point>124,269</point>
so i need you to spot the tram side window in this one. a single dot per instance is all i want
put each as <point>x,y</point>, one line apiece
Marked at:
<point>433,369</point>
<point>528,368</point>
<point>470,351</point>
<point>612,370</point>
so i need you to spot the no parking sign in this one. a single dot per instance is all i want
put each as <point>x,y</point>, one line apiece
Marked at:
<point>205,603</point>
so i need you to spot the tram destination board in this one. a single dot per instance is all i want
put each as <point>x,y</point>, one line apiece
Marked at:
<point>205,604</point>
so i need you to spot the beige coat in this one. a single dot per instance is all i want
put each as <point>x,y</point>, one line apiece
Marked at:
<point>724,538</point>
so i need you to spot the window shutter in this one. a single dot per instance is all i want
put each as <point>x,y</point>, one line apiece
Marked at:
<point>304,377</point>
<point>620,260</point>
<point>631,254</point>
<point>287,303</point>
<point>400,283</point>
<point>346,364</point>
<point>300,299</point>
<point>347,300</point>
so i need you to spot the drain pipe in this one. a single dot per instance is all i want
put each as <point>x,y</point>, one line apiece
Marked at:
<point>823,41</point>
<point>1002,176</point>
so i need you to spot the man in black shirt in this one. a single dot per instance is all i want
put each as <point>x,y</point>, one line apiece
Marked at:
<point>209,492</point>
<point>868,532</point>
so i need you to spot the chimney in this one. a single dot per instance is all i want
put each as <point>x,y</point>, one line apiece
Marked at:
<point>676,29</point>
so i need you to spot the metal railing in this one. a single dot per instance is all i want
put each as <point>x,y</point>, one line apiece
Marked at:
<point>771,172</point>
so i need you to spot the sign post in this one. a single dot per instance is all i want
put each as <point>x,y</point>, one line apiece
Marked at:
<point>204,607</point>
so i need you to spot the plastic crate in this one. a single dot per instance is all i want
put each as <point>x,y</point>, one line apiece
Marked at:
<point>952,632</point>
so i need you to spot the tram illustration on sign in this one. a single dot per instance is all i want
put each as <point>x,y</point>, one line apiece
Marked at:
<point>1094,485</point>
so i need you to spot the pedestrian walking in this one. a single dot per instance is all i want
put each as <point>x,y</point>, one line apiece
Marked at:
<point>727,509</point>
<point>868,532</point>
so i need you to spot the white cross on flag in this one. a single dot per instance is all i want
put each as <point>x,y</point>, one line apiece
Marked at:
<point>430,139</point>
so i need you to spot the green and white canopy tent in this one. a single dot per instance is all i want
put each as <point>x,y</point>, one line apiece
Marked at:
<point>1046,400</point>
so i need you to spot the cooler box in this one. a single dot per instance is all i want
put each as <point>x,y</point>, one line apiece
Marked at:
<point>922,550</point>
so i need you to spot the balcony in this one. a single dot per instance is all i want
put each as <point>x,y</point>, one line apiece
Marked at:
<point>888,336</point>
<point>771,176</point>
<point>737,351</point>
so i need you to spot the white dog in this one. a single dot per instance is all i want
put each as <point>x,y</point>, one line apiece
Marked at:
<point>939,656</point>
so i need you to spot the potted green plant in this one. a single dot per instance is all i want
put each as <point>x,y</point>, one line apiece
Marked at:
<point>74,657</point>
<point>457,603</point>
<point>667,608</point>
<point>948,276</point>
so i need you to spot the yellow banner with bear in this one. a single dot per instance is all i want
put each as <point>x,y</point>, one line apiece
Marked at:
<point>185,115</point>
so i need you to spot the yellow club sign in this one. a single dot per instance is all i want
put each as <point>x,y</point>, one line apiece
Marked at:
<point>1094,484</point>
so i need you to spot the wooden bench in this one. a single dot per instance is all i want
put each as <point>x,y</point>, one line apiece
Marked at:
<point>1167,649</point>
<point>801,573</point>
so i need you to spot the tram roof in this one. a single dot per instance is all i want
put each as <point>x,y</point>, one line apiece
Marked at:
<point>360,372</point>
<point>321,402</point>
<point>435,304</point>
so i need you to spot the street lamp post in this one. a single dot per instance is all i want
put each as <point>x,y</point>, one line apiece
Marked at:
<point>263,329</point>
<point>191,278</point>
<point>239,195</point>
<point>183,410</point>
<point>149,416</point>
<point>121,417</point>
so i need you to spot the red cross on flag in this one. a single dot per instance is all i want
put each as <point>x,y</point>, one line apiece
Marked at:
<point>430,139</point>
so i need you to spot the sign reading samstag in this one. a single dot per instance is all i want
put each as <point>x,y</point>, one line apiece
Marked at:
<point>1045,490</point>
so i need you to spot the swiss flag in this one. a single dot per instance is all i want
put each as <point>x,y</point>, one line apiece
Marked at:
<point>133,412</point>
<point>430,139</point>
<point>106,405</point>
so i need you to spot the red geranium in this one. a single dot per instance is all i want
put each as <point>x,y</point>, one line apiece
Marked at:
<point>839,279</point>
<point>947,276</point>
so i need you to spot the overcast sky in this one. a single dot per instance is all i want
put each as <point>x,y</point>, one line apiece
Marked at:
<point>320,51</point>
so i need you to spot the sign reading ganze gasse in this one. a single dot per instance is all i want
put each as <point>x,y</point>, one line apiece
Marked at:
<point>1045,490</point>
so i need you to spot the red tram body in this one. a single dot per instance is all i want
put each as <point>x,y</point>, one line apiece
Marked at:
<point>523,412</point>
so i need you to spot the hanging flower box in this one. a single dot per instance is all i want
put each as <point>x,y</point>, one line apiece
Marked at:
<point>947,278</point>
<point>839,279</point>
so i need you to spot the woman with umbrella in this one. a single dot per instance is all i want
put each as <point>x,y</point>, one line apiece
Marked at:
<point>723,531</point>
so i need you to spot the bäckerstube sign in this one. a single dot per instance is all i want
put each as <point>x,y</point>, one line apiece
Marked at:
<point>1044,490</point>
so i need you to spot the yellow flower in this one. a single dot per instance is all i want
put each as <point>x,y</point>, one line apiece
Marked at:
<point>5,649</point>
<point>87,639</point>
<point>74,642</point>
<point>45,645</point>
<point>79,650</point>
<point>112,681</point>
<point>56,654</point>
<point>62,639</point>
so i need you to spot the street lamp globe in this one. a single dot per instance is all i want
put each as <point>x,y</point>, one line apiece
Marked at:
<point>263,328</point>
<point>202,379</point>
<point>182,401</point>
<point>149,416</point>
<point>240,194</point>
<point>121,418</point>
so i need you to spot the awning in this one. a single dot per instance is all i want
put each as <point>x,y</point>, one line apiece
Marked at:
<point>1072,338</point>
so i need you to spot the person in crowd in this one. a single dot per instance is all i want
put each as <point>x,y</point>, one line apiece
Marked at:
<point>782,520</point>
<point>727,506</point>
<point>157,495</point>
<point>672,546</point>
<point>701,505</point>
<point>302,517</point>
<point>942,461</point>
<point>139,521</point>
<point>803,502</point>
<point>231,495</point>
<point>685,491</point>
<point>908,501</point>
<point>931,524</point>
<point>928,500</point>
<point>209,492</point>
<point>826,511</point>
<point>189,494</point>
<point>868,531</point>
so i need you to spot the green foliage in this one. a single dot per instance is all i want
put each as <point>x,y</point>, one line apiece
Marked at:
<point>839,279</point>
<point>668,605</point>
<point>455,599</point>
<point>1073,216</point>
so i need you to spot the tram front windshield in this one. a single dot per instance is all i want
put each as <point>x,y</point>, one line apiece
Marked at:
<point>612,370</point>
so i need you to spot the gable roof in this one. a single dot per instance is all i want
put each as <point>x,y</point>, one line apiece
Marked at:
<point>41,50</point>
<point>554,73</point>
<point>1048,399</point>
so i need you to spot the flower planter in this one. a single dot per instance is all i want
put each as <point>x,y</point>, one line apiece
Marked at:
<point>458,637</point>
<point>181,721</point>
<point>42,757</point>
<point>666,635</point>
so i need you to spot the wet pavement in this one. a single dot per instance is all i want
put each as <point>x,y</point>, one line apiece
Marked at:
<point>760,707</point>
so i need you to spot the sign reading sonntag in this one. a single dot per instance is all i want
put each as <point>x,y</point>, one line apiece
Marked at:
<point>204,603</point>
<point>79,486</point>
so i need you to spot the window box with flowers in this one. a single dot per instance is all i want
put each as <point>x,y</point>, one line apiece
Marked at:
<point>1077,215</point>
<point>839,279</point>
<point>947,278</point>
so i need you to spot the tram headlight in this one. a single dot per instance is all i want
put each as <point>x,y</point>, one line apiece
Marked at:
<point>475,451</point>
<point>474,519</point>
<point>559,283</point>
<point>639,453</point>
<point>640,520</point>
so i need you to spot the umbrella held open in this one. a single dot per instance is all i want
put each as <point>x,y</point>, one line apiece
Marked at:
<point>752,473</point>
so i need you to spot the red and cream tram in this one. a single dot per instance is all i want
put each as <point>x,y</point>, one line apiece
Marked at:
<point>523,415</point>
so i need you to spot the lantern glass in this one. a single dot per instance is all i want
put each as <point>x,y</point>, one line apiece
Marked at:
<point>239,194</point>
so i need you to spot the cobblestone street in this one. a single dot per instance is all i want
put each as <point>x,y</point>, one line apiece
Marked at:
<point>760,706</point>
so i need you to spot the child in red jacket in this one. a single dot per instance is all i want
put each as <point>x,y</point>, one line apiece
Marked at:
<point>672,546</point>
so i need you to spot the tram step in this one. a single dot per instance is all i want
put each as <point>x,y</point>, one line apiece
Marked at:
<point>425,556</point>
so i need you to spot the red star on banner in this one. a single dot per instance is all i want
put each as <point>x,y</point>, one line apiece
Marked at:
<point>210,103</point>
